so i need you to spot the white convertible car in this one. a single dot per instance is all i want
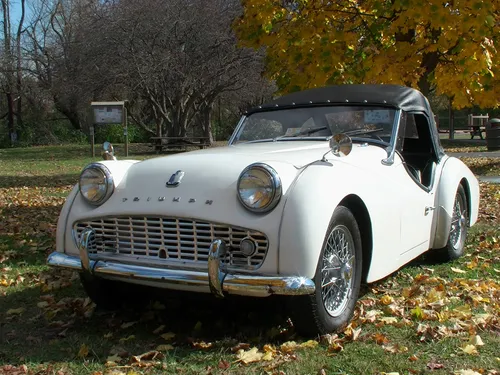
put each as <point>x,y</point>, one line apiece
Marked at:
<point>316,192</point>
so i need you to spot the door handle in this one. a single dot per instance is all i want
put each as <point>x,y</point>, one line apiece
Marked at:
<point>429,209</point>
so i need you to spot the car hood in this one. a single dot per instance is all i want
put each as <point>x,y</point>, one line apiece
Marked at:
<point>216,169</point>
<point>219,168</point>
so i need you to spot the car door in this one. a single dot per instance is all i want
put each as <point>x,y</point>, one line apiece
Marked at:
<point>416,167</point>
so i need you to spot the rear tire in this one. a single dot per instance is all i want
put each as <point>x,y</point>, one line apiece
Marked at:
<point>454,248</point>
<point>337,279</point>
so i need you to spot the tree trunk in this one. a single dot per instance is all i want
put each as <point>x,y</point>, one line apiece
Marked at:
<point>9,84</point>
<point>207,125</point>
<point>70,112</point>
<point>19,82</point>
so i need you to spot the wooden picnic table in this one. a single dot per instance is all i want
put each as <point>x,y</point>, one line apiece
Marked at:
<point>477,130</point>
<point>160,143</point>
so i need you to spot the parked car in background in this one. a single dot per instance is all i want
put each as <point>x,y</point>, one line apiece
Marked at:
<point>315,193</point>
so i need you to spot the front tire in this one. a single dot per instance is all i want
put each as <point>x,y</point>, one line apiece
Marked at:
<point>337,279</point>
<point>454,248</point>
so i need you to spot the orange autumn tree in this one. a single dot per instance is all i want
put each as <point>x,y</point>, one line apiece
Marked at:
<point>445,46</point>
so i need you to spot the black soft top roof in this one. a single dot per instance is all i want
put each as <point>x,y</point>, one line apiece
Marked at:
<point>402,97</point>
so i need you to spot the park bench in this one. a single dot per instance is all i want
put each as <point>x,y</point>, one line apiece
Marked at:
<point>178,143</point>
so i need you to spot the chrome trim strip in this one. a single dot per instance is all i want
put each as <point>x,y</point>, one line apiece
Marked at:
<point>83,246</point>
<point>237,284</point>
<point>216,274</point>
<point>391,150</point>
<point>236,130</point>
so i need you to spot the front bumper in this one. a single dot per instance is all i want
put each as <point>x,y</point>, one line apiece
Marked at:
<point>215,279</point>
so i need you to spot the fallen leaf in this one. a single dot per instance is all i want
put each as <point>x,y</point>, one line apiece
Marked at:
<point>84,351</point>
<point>388,320</point>
<point>159,329</point>
<point>380,339</point>
<point>434,366</point>
<point>16,311</point>
<point>309,344</point>
<point>168,336</point>
<point>476,341</point>
<point>469,349</point>
<point>148,356</point>
<point>202,345</point>
<point>289,347</point>
<point>114,358</point>
<point>164,347</point>
<point>386,300</point>
<point>241,345</point>
<point>458,270</point>
<point>249,356</point>
<point>128,338</point>
<point>466,372</point>
<point>223,365</point>
<point>127,325</point>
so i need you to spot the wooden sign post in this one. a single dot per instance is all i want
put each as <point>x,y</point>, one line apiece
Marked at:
<point>107,113</point>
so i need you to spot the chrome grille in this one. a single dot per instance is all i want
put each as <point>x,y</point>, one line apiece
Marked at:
<point>171,239</point>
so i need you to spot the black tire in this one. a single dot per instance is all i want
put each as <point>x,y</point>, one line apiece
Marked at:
<point>310,313</point>
<point>454,248</point>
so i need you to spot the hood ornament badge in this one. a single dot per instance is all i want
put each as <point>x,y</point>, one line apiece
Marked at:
<point>175,179</point>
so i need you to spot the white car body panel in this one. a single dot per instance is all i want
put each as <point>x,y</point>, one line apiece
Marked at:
<point>296,227</point>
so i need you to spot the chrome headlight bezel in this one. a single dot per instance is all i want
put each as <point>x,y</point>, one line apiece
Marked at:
<point>274,182</point>
<point>108,183</point>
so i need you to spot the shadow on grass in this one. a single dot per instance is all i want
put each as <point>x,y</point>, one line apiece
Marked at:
<point>38,181</point>
<point>74,152</point>
<point>61,152</point>
<point>55,333</point>
<point>485,167</point>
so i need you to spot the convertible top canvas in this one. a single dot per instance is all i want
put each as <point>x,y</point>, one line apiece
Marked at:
<point>402,97</point>
<point>396,96</point>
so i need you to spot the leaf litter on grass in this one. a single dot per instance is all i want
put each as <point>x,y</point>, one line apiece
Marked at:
<point>434,305</point>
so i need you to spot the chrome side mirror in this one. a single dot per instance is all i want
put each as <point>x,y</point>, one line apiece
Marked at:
<point>340,144</point>
<point>109,152</point>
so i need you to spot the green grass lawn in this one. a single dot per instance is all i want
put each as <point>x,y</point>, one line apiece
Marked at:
<point>426,318</point>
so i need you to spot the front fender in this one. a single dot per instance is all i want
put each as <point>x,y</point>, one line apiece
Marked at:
<point>117,168</point>
<point>305,219</point>
<point>309,208</point>
<point>454,171</point>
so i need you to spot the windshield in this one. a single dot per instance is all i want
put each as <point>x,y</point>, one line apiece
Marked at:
<point>361,123</point>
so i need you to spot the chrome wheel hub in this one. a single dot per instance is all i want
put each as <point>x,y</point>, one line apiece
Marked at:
<point>337,270</point>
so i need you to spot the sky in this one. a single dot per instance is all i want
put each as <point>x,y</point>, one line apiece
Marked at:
<point>15,11</point>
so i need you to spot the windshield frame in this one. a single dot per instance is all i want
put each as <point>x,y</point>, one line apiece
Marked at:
<point>389,146</point>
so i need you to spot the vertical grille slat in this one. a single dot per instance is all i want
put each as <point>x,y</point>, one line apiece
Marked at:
<point>170,238</point>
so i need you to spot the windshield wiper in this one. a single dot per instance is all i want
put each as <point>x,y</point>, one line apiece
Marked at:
<point>362,131</point>
<point>303,132</point>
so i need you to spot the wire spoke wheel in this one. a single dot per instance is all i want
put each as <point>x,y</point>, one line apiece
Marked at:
<point>338,262</point>
<point>337,279</point>
<point>457,234</point>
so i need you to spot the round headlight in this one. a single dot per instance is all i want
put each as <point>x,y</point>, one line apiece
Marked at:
<point>259,188</point>
<point>96,184</point>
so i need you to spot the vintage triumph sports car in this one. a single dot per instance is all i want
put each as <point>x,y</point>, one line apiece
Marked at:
<point>316,192</point>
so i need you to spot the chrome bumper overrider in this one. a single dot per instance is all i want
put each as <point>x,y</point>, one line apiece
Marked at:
<point>216,279</point>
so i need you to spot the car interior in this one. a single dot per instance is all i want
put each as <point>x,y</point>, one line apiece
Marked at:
<point>417,150</point>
